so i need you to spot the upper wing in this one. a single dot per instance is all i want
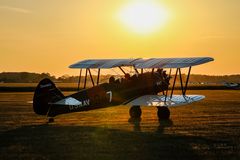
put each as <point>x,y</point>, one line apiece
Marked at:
<point>173,62</point>
<point>156,100</point>
<point>105,63</point>
<point>142,63</point>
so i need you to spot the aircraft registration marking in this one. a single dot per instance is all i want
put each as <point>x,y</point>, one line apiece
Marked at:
<point>110,95</point>
<point>159,83</point>
<point>81,104</point>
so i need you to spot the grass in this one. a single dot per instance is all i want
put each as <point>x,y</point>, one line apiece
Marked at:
<point>29,87</point>
<point>209,129</point>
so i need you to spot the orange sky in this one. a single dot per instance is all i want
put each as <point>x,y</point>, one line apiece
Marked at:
<point>49,35</point>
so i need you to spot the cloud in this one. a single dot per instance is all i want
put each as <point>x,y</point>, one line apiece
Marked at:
<point>14,9</point>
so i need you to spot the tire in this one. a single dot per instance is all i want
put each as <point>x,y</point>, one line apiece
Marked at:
<point>50,120</point>
<point>135,112</point>
<point>163,113</point>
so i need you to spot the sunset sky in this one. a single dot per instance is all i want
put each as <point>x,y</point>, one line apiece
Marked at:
<point>49,35</point>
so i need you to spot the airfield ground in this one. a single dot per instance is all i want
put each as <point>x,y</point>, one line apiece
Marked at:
<point>209,129</point>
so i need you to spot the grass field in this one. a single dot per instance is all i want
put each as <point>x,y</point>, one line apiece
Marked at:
<point>30,87</point>
<point>209,129</point>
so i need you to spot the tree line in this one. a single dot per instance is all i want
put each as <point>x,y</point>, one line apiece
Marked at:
<point>26,77</point>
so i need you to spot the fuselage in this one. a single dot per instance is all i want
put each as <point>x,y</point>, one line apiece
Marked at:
<point>114,93</point>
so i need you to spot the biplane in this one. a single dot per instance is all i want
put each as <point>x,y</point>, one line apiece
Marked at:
<point>148,84</point>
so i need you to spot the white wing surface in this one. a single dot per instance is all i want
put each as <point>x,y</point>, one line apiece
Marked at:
<point>68,101</point>
<point>105,63</point>
<point>142,63</point>
<point>157,100</point>
<point>173,62</point>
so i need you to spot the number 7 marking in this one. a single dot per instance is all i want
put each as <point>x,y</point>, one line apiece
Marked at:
<point>110,95</point>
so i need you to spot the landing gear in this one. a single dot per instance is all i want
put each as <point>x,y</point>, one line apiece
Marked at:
<point>135,112</point>
<point>50,120</point>
<point>163,113</point>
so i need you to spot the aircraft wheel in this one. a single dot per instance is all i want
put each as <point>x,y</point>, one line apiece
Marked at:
<point>163,113</point>
<point>50,120</point>
<point>135,112</point>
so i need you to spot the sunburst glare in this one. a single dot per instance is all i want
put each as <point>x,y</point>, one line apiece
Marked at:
<point>143,17</point>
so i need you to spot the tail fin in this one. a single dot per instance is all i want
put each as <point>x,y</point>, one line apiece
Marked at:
<point>45,93</point>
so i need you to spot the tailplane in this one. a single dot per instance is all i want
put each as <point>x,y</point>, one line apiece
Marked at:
<point>45,93</point>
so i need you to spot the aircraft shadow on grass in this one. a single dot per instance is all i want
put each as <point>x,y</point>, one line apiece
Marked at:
<point>83,142</point>
<point>136,122</point>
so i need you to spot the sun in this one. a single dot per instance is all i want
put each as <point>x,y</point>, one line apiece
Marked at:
<point>143,16</point>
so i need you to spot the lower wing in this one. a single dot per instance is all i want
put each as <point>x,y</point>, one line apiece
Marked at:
<point>162,100</point>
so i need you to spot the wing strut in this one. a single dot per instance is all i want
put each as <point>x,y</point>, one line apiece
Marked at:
<point>174,82</point>
<point>169,75</point>
<point>136,70</point>
<point>185,89</point>
<point>122,70</point>
<point>79,80</point>
<point>181,81</point>
<point>85,81</point>
<point>91,77</point>
<point>98,76</point>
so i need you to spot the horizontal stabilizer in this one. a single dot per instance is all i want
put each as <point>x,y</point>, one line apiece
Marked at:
<point>67,105</point>
<point>68,101</point>
<point>161,100</point>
